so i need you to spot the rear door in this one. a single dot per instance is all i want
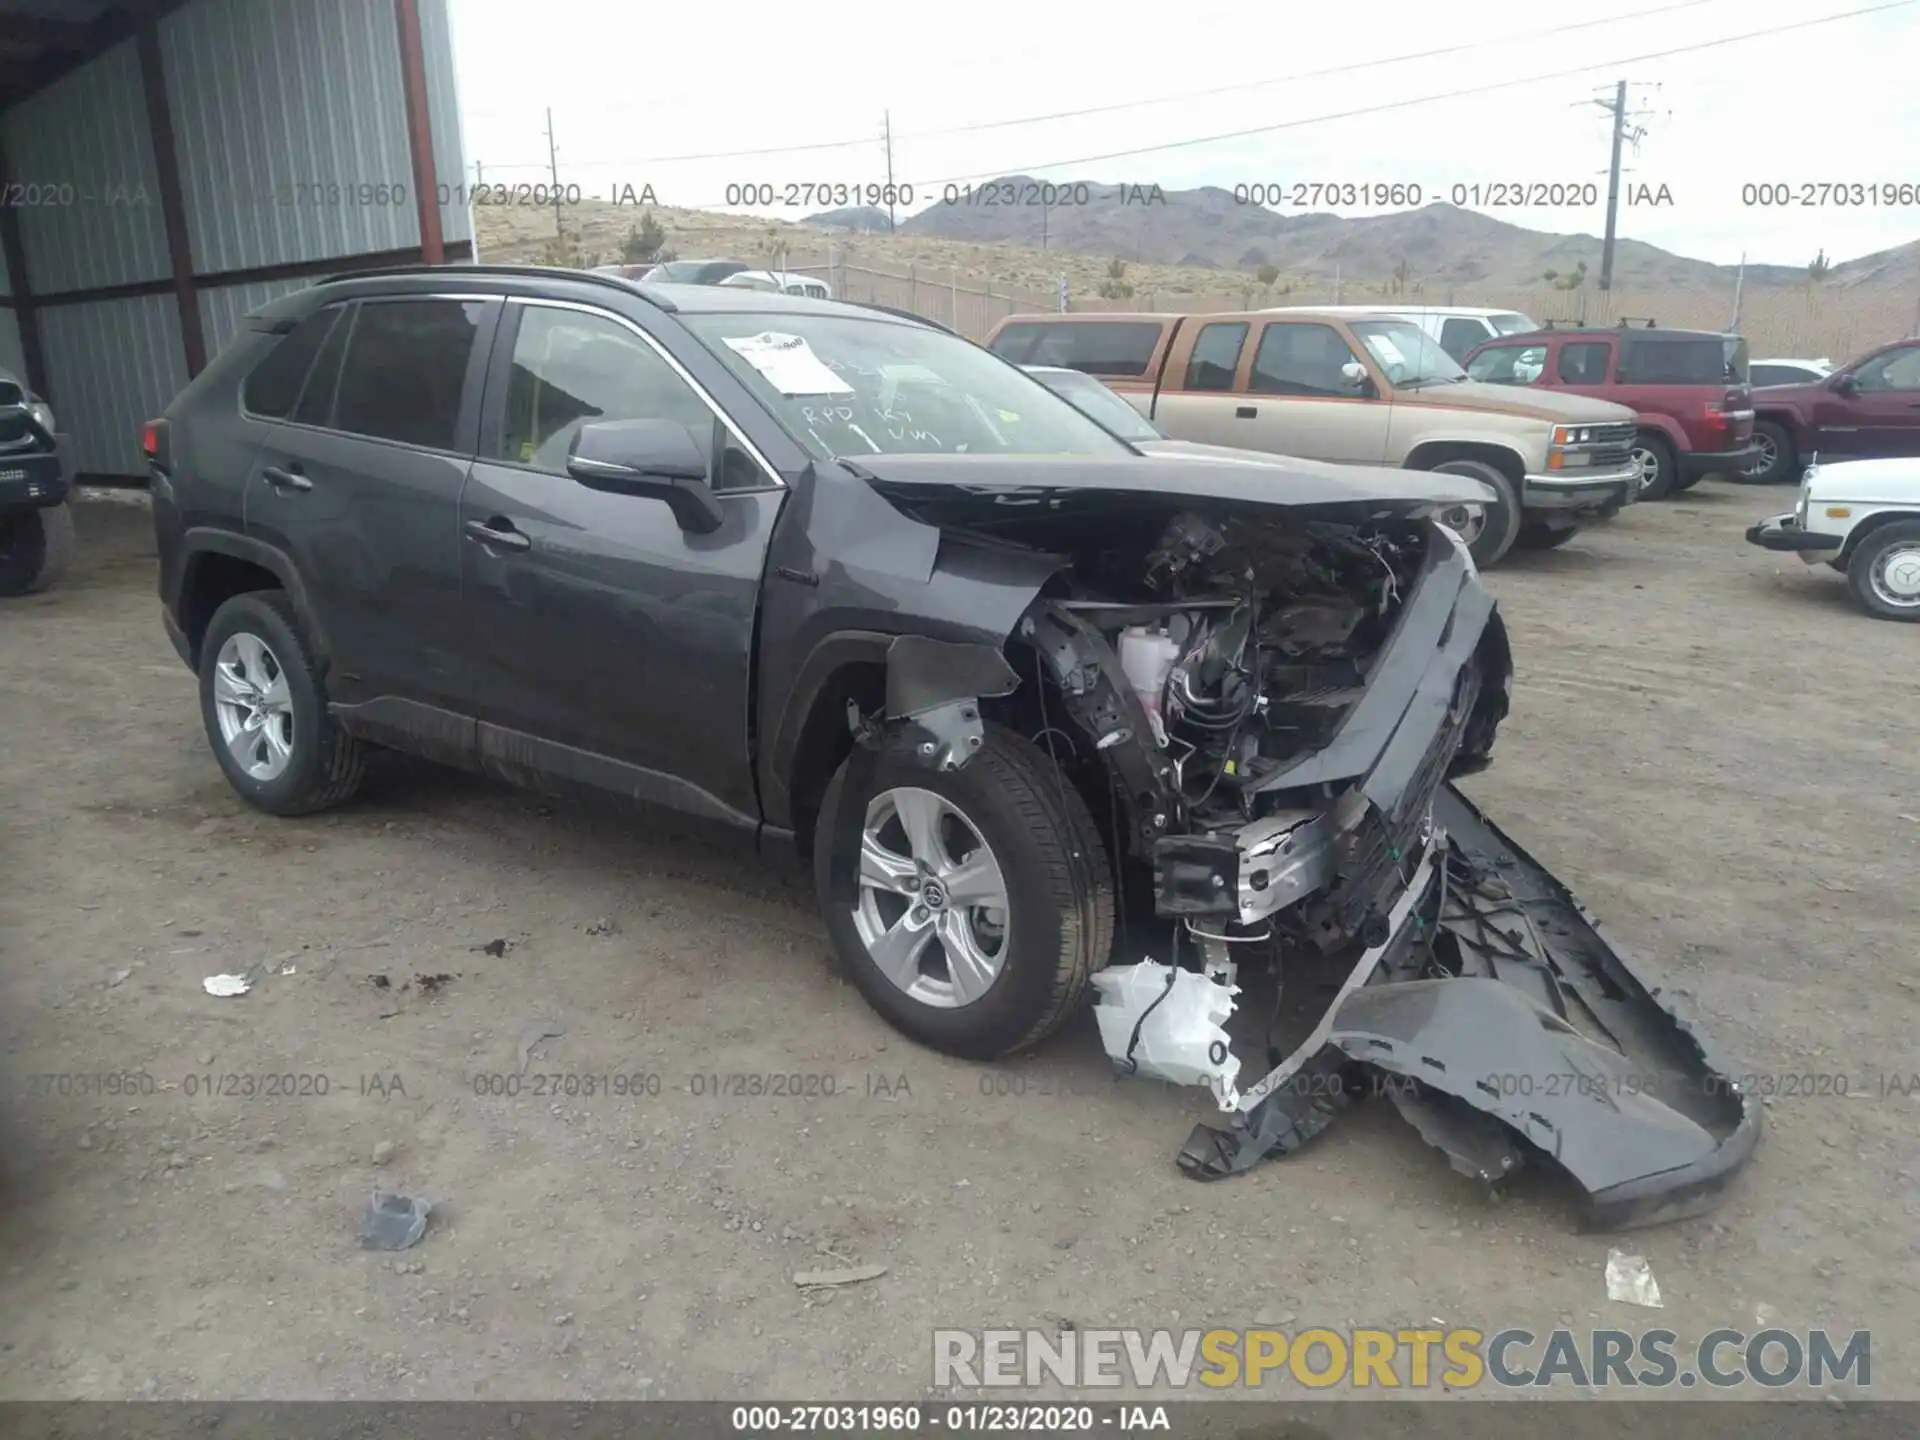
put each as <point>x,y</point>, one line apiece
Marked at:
<point>612,649</point>
<point>1199,394</point>
<point>1295,398</point>
<point>360,485</point>
<point>1582,366</point>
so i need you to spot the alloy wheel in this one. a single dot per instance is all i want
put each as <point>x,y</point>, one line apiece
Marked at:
<point>1468,521</point>
<point>253,706</point>
<point>1648,464</point>
<point>1764,460</point>
<point>933,909</point>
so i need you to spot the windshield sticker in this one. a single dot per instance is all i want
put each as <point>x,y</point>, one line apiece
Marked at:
<point>1385,351</point>
<point>788,364</point>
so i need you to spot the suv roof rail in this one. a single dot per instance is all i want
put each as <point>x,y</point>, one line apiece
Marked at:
<point>618,282</point>
<point>1627,322</point>
<point>1563,325</point>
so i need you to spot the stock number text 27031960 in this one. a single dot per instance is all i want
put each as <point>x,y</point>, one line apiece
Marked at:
<point>815,194</point>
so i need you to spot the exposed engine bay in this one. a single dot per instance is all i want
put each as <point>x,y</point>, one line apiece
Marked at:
<point>1276,700</point>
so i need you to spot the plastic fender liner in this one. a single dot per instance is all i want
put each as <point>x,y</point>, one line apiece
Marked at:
<point>932,712</point>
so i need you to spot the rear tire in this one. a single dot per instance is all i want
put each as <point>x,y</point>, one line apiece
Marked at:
<point>1779,459</point>
<point>1884,572</point>
<point>1057,925</point>
<point>265,709</point>
<point>36,547</point>
<point>1654,459</point>
<point>1501,525</point>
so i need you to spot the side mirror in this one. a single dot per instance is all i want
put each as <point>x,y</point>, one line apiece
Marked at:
<point>649,459</point>
<point>1844,385</point>
<point>1355,374</point>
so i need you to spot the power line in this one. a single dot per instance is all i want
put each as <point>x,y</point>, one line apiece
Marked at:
<point>1185,95</point>
<point>1459,94</point>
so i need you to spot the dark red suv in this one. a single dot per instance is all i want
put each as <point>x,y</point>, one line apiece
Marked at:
<point>1687,388</point>
<point>1869,409</point>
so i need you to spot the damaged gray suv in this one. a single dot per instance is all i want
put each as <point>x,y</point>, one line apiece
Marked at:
<point>1048,717</point>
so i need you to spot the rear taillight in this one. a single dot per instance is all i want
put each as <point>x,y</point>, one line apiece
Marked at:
<point>153,443</point>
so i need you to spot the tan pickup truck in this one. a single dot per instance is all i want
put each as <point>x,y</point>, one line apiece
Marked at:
<point>1363,390</point>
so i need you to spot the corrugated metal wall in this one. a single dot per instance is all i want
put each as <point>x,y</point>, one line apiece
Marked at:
<point>111,365</point>
<point>222,309</point>
<point>12,358</point>
<point>290,127</point>
<point>299,150</point>
<point>89,132</point>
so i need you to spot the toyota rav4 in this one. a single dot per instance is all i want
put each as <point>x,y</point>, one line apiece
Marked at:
<point>850,589</point>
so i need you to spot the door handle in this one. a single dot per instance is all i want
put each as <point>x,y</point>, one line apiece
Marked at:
<point>285,479</point>
<point>498,535</point>
<point>1245,412</point>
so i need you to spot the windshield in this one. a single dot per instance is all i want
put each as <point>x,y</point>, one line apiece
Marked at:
<point>1407,353</point>
<point>850,387</point>
<point>1090,397</point>
<point>1512,323</point>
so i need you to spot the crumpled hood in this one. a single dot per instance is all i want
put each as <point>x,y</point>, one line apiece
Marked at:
<point>1056,482</point>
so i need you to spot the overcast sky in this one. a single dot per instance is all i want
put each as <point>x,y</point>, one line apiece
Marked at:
<point>633,88</point>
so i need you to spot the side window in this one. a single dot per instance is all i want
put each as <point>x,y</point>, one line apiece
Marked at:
<point>273,388</point>
<point>1301,358</point>
<point>316,401</point>
<point>1460,333</point>
<point>1584,363</point>
<point>1509,364</point>
<point>1216,356</point>
<point>570,369</point>
<point>1895,370</point>
<point>405,370</point>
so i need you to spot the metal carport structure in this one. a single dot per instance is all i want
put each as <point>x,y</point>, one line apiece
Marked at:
<point>168,165</point>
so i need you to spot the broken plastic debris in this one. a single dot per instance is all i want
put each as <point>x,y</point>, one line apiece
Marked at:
<point>852,1275</point>
<point>1630,1278</point>
<point>1166,1023</point>
<point>226,985</point>
<point>394,1222</point>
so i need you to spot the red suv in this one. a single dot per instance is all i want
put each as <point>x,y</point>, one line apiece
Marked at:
<point>1687,388</point>
<point>1867,410</point>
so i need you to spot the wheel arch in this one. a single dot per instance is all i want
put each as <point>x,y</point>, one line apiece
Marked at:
<point>216,565</point>
<point>1872,523</point>
<point>1505,459</point>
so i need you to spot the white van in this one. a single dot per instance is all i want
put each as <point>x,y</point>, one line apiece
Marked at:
<point>779,282</point>
<point>1456,329</point>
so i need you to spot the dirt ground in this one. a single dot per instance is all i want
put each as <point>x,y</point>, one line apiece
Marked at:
<point>1709,743</point>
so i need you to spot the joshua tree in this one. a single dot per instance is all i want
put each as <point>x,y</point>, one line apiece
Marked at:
<point>1116,286</point>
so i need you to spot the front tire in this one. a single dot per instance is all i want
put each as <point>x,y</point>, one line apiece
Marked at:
<point>1778,458</point>
<point>265,708</point>
<point>1498,525</point>
<point>983,897</point>
<point>36,546</point>
<point>1653,457</point>
<point>1884,572</point>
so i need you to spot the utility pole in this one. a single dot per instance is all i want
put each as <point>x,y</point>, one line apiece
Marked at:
<point>886,138</point>
<point>553,167</point>
<point>1617,107</point>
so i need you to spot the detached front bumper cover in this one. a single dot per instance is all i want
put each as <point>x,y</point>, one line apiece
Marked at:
<point>1508,1026</point>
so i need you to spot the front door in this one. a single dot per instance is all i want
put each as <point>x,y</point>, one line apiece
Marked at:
<point>1299,399</point>
<point>1881,417</point>
<point>612,648</point>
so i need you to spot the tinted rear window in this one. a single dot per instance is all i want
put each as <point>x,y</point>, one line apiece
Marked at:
<point>1709,360</point>
<point>1121,347</point>
<point>273,389</point>
<point>405,370</point>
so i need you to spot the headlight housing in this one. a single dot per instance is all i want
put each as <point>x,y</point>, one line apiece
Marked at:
<point>42,413</point>
<point>1564,435</point>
